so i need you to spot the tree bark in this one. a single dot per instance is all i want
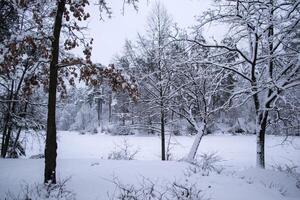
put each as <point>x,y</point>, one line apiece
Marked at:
<point>15,144</point>
<point>260,136</point>
<point>5,134</point>
<point>162,132</point>
<point>100,113</point>
<point>8,126</point>
<point>263,115</point>
<point>198,138</point>
<point>110,108</point>
<point>51,144</point>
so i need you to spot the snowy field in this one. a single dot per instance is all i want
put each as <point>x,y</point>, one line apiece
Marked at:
<point>236,151</point>
<point>83,158</point>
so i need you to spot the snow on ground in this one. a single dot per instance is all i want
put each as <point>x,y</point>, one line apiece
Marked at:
<point>236,151</point>
<point>91,176</point>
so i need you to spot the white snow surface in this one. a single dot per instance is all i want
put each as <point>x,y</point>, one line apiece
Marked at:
<point>83,158</point>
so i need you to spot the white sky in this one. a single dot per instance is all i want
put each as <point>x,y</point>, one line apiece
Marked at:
<point>110,35</point>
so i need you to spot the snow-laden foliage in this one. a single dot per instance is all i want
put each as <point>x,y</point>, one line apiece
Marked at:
<point>261,36</point>
<point>124,151</point>
<point>40,191</point>
<point>150,190</point>
<point>205,164</point>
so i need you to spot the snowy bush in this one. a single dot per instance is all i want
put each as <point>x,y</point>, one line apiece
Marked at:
<point>117,129</point>
<point>205,163</point>
<point>123,152</point>
<point>39,191</point>
<point>145,190</point>
<point>123,130</point>
<point>185,191</point>
<point>291,170</point>
<point>286,168</point>
<point>277,187</point>
<point>149,190</point>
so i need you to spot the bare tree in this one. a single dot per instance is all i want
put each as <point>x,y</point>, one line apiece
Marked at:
<point>270,65</point>
<point>153,65</point>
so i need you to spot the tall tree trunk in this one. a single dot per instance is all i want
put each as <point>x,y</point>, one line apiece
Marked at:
<point>19,131</point>
<point>100,113</point>
<point>110,108</point>
<point>51,144</point>
<point>262,117</point>
<point>198,138</point>
<point>7,139</point>
<point>162,132</point>
<point>100,109</point>
<point>14,146</point>
<point>5,135</point>
<point>260,138</point>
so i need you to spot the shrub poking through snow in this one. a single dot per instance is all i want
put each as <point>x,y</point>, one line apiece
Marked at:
<point>277,187</point>
<point>40,191</point>
<point>205,163</point>
<point>289,169</point>
<point>145,190</point>
<point>148,190</point>
<point>123,152</point>
<point>185,191</point>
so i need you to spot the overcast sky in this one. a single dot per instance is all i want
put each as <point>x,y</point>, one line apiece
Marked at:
<point>109,35</point>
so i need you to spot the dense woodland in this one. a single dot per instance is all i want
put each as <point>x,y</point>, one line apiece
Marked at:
<point>168,81</point>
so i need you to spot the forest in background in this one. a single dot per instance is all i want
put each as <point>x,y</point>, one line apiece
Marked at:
<point>169,81</point>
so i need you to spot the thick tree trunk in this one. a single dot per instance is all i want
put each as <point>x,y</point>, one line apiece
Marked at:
<point>51,144</point>
<point>196,143</point>
<point>260,136</point>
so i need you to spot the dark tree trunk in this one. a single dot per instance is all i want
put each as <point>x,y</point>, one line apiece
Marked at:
<point>15,144</point>
<point>110,108</point>
<point>8,126</point>
<point>262,120</point>
<point>99,112</point>
<point>162,132</point>
<point>7,140</point>
<point>261,132</point>
<point>5,134</point>
<point>51,144</point>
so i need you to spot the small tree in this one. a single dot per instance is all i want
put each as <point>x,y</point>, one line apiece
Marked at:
<point>153,66</point>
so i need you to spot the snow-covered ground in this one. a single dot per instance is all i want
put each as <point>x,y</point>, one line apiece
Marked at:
<point>83,158</point>
<point>236,151</point>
